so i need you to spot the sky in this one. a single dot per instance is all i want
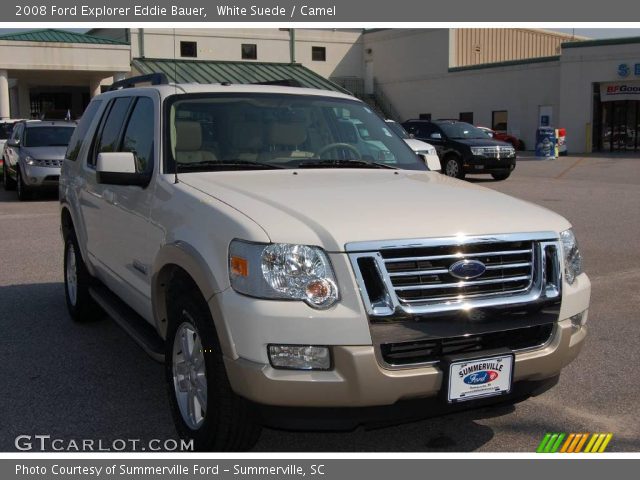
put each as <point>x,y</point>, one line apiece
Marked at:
<point>586,32</point>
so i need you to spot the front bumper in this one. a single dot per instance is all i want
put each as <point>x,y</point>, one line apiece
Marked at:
<point>35,176</point>
<point>484,164</point>
<point>358,380</point>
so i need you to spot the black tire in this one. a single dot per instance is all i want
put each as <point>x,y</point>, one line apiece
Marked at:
<point>81,306</point>
<point>501,176</point>
<point>23,191</point>
<point>453,167</point>
<point>7,182</point>
<point>228,422</point>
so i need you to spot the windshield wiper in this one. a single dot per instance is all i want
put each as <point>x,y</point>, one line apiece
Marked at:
<point>335,163</point>
<point>230,164</point>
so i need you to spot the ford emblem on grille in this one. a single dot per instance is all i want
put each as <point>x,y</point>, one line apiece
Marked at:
<point>467,269</point>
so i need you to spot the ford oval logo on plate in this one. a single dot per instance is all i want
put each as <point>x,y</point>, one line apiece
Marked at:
<point>481,377</point>
<point>467,269</point>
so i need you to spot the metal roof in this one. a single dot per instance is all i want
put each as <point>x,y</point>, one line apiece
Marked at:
<point>52,35</point>
<point>602,42</point>
<point>204,71</point>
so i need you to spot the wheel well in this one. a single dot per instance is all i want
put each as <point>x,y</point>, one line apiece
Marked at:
<point>452,155</point>
<point>171,277</point>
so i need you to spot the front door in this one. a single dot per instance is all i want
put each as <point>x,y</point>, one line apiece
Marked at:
<point>118,226</point>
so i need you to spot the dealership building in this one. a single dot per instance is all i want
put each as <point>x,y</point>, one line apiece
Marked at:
<point>509,79</point>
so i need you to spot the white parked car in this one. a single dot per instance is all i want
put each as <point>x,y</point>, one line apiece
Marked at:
<point>425,150</point>
<point>273,266</point>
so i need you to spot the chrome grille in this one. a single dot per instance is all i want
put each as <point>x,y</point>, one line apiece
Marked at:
<point>40,162</point>
<point>414,277</point>
<point>420,275</point>
<point>495,152</point>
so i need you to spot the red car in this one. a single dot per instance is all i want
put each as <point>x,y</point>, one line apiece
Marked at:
<point>505,137</point>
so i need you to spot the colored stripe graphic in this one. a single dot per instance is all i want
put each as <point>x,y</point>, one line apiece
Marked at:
<point>574,442</point>
<point>581,442</point>
<point>606,441</point>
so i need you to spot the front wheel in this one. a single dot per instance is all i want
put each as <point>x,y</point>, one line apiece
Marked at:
<point>7,182</point>
<point>501,176</point>
<point>24,192</point>
<point>453,167</point>
<point>205,409</point>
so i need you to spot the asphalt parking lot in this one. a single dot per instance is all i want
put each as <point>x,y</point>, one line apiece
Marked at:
<point>92,382</point>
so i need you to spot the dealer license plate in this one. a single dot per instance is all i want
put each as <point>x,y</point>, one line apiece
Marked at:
<point>486,377</point>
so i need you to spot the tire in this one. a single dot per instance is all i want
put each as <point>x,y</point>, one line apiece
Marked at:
<point>226,422</point>
<point>453,167</point>
<point>7,182</point>
<point>24,192</point>
<point>77,282</point>
<point>501,176</point>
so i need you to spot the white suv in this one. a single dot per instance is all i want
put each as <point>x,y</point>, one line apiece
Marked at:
<point>269,262</point>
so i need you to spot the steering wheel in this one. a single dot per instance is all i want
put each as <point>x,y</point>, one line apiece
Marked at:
<point>333,146</point>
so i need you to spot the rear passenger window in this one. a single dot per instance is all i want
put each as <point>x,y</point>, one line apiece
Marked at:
<point>138,137</point>
<point>112,126</point>
<point>80,132</point>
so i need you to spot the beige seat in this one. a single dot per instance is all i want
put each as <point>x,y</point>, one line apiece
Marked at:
<point>246,140</point>
<point>285,140</point>
<point>189,143</point>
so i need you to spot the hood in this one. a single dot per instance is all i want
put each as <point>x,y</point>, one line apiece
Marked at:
<point>45,153</point>
<point>481,142</point>
<point>417,145</point>
<point>332,207</point>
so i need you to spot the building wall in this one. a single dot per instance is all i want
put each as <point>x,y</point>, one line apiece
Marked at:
<point>473,46</point>
<point>343,47</point>
<point>580,68</point>
<point>418,80</point>
<point>63,56</point>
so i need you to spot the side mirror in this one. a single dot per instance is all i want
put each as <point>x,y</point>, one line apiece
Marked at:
<point>436,136</point>
<point>119,168</point>
<point>13,142</point>
<point>432,162</point>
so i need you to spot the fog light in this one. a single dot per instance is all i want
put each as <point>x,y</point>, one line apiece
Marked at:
<point>299,357</point>
<point>579,320</point>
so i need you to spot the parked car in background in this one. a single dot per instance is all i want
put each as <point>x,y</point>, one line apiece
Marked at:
<point>465,149</point>
<point>505,137</point>
<point>426,151</point>
<point>33,155</point>
<point>6,127</point>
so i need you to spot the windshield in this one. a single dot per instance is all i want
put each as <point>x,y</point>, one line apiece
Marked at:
<point>47,136</point>
<point>398,129</point>
<point>462,130</point>
<point>267,131</point>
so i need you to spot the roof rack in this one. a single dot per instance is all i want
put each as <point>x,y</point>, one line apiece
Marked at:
<point>285,82</point>
<point>151,78</point>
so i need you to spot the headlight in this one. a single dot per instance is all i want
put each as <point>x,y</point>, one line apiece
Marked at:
<point>572,257</point>
<point>283,271</point>
<point>29,160</point>
<point>477,150</point>
<point>428,151</point>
